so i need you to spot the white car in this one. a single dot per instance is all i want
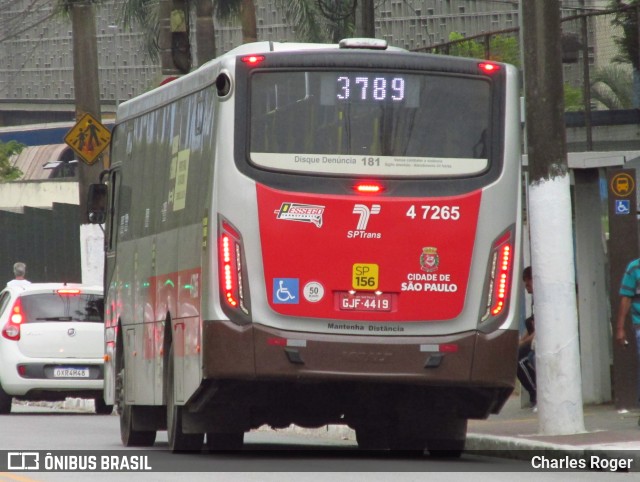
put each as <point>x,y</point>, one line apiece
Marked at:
<point>52,343</point>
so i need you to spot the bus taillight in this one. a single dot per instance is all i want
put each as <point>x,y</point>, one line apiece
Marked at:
<point>368,188</point>
<point>500,273</point>
<point>229,280</point>
<point>232,272</point>
<point>252,59</point>
<point>488,67</point>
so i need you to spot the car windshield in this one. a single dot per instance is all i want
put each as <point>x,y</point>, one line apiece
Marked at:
<point>45,307</point>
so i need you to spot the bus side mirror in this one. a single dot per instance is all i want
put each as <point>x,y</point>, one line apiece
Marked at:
<point>97,203</point>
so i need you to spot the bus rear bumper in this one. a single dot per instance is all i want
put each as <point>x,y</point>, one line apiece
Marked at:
<point>258,352</point>
<point>256,375</point>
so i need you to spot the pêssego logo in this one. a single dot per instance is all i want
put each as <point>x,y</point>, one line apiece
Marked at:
<point>305,213</point>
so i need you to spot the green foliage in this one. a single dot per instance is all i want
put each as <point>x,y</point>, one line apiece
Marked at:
<point>573,99</point>
<point>465,48</point>
<point>145,14</point>
<point>7,171</point>
<point>627,19</point>
<point>612,86</point>
<point>502,48</point>
<point>319,20</point>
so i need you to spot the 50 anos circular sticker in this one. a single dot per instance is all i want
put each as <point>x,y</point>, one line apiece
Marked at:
<point>313,291</point>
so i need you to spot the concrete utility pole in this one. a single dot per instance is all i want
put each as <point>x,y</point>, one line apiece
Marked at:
<point>86,86</point>
<point>557,348</point>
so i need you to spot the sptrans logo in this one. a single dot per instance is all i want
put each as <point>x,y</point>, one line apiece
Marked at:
<point>365,213</point>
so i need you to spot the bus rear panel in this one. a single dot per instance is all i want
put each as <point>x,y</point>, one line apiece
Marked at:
<point>355,249</point>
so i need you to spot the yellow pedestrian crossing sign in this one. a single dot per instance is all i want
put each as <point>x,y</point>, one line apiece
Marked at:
<point>88,138</point>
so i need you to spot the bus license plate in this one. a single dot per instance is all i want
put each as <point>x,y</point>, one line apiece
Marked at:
<point>70,372</point>
<point>364,302</point>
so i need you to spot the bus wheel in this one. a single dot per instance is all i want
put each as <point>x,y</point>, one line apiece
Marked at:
<point>5,402</point>
<point>408,439</point>
<point>101,406</point>
<point>372,437</point>
<point>448,438</point>
<point>178,440</point>
<point>129,436</point>
<point>217,442</point>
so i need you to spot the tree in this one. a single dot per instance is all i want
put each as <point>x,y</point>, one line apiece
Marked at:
<point>612,86</point>
<point>365,19</point>
<point>502,48</point>
<point>573,98</point>
<point>8,172</point>
<point>205,31</point>
<point>304,15</point>
<point>627,19</point>
<point>244,10</point>
<point>340,17</point>
<point>165,24</point>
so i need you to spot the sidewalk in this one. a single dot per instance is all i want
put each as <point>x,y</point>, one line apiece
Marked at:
<point>515,433</point>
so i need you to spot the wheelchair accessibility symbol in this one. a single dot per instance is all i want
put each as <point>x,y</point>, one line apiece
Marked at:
<point>286,291</point>
<point>623,206</point>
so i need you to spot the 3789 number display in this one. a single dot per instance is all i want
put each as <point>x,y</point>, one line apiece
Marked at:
<point>370,88</point>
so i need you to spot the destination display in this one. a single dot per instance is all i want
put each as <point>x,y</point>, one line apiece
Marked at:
<point>370,123</point>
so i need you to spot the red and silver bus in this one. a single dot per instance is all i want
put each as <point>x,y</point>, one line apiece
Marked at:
<point>314,234</point>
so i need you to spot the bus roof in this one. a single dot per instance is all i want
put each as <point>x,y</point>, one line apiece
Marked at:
<point>198,78</point>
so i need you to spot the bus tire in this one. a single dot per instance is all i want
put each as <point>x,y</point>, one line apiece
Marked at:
<point>218,442</point>
<point>5,402</point>
<point>129,436</point>
<point>449,437</point>
<point>101,406</point>
<point>410,440</point>
<point>178,440</point>
<point>372,437</point>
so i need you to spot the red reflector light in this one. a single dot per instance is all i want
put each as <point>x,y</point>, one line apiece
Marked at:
<point>369,188</point>
<point>277,341</point>
<point>252,59</point>
<point>68,291</point>
<point>448,348</point>
<point>488,67</point>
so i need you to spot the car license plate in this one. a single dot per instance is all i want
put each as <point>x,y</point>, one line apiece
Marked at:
<point>70,372</point>
<point>365,301</point>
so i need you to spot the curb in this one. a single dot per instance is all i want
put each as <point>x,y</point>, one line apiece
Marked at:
<point>524,449</point>
<point>82,404</point>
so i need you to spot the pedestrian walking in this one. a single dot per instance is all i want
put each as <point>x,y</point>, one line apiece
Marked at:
<point>630,301</point>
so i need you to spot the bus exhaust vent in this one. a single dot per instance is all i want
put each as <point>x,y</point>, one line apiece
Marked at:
<point>363,43</point>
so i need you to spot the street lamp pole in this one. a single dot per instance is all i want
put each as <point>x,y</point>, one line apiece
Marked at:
<point>115,63</point>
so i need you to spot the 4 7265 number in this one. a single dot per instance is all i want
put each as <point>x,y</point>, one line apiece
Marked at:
<point>445,213</point>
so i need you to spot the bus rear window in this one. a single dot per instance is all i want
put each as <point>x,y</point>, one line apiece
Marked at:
<point>370,123</point>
